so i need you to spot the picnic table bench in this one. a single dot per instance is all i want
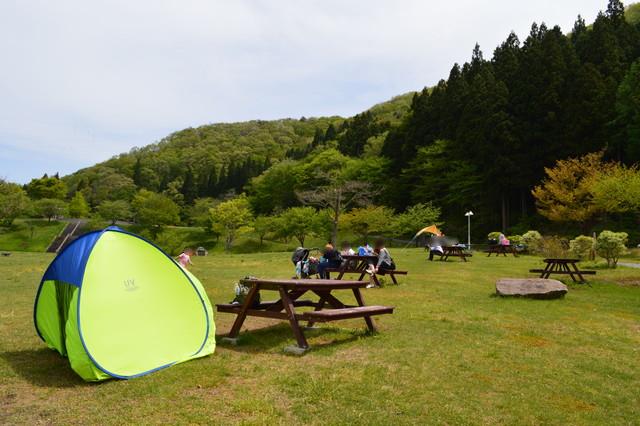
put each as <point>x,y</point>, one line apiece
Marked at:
<point>562,267</point>
<point>454,251</point>
<point>290,293</point>
<point>500,249</point>
<point>355,264</point>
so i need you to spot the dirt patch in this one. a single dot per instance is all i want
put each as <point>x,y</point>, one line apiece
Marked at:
<point>533,341</point>
<point>628,281</point>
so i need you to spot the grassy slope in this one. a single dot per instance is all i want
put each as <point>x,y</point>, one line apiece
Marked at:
<point>29,235</point>
<point>451,353</point>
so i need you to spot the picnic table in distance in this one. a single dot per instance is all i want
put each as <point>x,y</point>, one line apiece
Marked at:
<point>290,293</point>
<point>501,249</point>
<point>454,251</point>
<point>562,267</point>
<point>355,264</point>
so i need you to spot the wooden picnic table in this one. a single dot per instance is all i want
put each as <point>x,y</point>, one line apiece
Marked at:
<point>355,264</point>
<point>290,293</point>
<point>562,267</point>
<point>501,249</point>
<point>454,251</point>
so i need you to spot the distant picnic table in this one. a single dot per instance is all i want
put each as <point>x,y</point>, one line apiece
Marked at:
<point>501,249</point>
<point>454,251</point>
<point>562,267</point>
<point>290,293</point>
<point>355,264</point>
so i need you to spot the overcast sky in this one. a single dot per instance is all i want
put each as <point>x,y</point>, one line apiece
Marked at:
<point>83,80</point>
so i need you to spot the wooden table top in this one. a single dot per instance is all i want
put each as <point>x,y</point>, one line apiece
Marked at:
<point>309,284</point>
<point>561,260</point>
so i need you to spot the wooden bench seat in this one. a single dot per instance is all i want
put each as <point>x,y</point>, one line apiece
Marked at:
<point>389,272</point>
<point>392,272</point>
<point>539,271</point>
<point>233,307</point>
<point>346,313</point>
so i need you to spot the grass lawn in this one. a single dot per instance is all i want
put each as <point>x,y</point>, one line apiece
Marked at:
<point>451,354</point>
<point>29,234</point>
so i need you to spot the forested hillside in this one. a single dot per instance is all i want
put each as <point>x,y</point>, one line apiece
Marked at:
<point>218,159</point>
<point>480,139</point>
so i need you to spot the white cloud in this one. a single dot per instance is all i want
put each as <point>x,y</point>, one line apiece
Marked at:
<point>81,81</point>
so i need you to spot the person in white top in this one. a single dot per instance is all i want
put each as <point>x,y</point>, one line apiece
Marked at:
<point>346,249</point>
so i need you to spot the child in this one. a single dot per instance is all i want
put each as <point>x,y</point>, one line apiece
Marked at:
<point>365,250</point>
<point>330,259</point>
<point>184,258</point>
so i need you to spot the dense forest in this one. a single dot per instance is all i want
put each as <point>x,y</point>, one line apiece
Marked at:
<point>479,140</point>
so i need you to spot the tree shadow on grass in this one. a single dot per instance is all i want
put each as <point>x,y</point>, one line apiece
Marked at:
<point>42,367</point>
<point>276,337</point>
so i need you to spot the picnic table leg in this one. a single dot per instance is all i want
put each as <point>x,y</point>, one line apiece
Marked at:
<point>575,268</point>
<point>237,324</point>
<point>297,332</point>
<point>319,307</point>
<point>375,280</point>
<point>330,299</point>
<point>393,278</point>
<point>293,296</point>
<point>358,295</point>
<point>553,267</point>
<point>566,268</point>
<point>544,271</point>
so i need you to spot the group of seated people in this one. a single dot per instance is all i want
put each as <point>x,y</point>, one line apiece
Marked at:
<point>332,258</point>
<point>436,243</point>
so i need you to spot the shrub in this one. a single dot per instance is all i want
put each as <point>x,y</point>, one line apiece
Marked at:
<point>611,245</point>
<point>494,235</point>
<point>533,241</point>
<point>553,246</point>
<point>170,242</point>
<point>582,247</point>
<point>515,239</point>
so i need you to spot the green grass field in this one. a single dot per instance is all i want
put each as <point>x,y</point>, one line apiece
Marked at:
<point>29,234</point>
<point>451,354</point>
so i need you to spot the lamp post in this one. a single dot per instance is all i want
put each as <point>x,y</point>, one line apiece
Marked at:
<point>468,215</point>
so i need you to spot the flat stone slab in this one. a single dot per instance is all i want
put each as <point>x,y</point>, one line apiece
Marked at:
<point>537,288</point>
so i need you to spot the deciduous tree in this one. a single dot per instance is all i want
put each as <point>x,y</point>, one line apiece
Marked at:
<point>232,218</point>
<point>153,211</point>
<point>114,211</point>
<point>13,202</point>
<point>50,208</point>
<point>565,195</point>
<point>78,206</point>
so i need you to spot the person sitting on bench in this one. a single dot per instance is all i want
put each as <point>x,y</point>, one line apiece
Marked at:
<point>385,262</point>
<point>435,246</point>
<point>330,259</point>
<point>435,250</point>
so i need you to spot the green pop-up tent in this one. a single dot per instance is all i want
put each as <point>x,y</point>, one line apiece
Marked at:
<point>118,306</point>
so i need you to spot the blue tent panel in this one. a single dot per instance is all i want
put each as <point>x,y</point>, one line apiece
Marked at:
<point>69,265</point>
